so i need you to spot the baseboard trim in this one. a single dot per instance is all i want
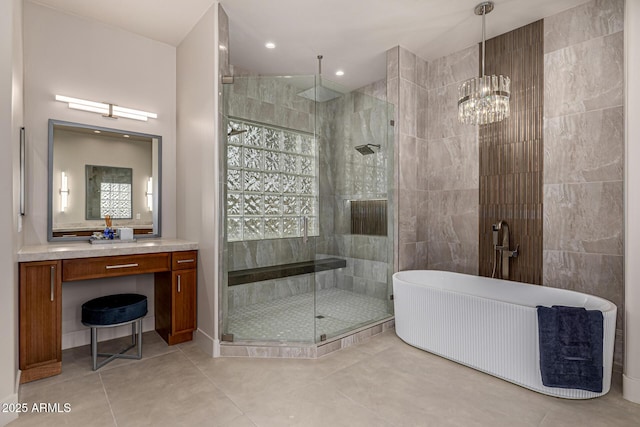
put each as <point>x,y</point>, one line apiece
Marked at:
<point>207,343</point>
<point>631,388</point>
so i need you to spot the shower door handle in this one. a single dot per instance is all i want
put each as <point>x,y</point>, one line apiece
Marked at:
<point>305,229</point>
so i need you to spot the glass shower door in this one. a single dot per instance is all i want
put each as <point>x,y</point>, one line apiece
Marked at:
<point>271,210</point>
<point>355,139</point>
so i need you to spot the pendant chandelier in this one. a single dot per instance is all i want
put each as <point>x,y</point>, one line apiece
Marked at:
<point>484,99</point>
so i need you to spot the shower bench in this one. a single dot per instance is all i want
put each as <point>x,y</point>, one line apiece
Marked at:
<point>258,274</point>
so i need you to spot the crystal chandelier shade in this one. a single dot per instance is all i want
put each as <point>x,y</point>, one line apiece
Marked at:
<point>484,99</point>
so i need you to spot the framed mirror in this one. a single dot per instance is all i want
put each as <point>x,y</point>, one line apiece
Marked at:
<point>95,172</point>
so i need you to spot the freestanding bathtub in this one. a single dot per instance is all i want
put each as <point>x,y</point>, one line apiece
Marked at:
<point>489,324</point>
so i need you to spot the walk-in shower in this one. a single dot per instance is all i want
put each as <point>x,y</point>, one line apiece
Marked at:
<point>301,266</point>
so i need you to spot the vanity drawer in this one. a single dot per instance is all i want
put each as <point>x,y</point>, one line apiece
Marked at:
<point>184,260</point>
<point>113,266</point>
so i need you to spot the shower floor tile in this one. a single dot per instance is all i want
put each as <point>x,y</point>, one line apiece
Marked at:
<point>293,318</point>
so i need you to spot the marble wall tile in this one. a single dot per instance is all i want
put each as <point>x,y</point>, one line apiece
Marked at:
<point>373,248</point>
<point>454,68</point>
<point>262,112</point>
<point>422,155</point>
<point>408,69</point>
<point>393,63</point>
<point>393,92</point>
<point>443,113</point>
<point>408,107</point>
<point>422,255</point>
<point>453,216</point>
<point>408,162</point>
<point>584,217</point>
<point>584,77</point>
<point>422,112</point>
<point>618,349</point>
<point>456,257</point>
<point>359,285</point>
<point>590,20</point>
<point>422,72</point>
<point>584,147</point>
<point>407,256</point>
<point>407,216</point>
<point>453,163</point>
<point>422,216</point>
<point>594,274</point>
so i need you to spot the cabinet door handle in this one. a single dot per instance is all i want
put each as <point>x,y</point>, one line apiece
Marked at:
<point>180,261</point>
<point>178,283</point>
<point>53,280</point>
<point>110,267</point>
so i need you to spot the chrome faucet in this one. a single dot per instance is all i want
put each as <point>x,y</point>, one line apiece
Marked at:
<point>505,252</point>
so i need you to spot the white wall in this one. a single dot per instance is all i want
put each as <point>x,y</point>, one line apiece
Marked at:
<point>69,55</point>
<point>631,377</point>
<point>72,56</point>
<point>11,117</point>
<point>197,163</point>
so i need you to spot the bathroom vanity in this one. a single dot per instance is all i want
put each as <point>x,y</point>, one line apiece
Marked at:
<point>44,268</point>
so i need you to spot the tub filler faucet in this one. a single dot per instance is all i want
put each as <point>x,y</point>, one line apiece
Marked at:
<point>503,249</point>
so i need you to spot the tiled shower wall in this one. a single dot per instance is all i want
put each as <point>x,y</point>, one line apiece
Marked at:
<point>406,77</point>
<point>584,152</point>
<point>357,118</point>
<point>344,174</point>
<point>437,183</point>
<point>449,178</point>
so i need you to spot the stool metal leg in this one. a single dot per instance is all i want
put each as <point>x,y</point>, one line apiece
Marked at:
<point>135,340</point>
<point>139,322</point>
<point>94,348</point>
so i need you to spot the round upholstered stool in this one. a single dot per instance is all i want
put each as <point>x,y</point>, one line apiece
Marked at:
<point>110,311</point>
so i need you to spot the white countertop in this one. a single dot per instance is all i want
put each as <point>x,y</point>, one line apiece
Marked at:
<point>68,250</point>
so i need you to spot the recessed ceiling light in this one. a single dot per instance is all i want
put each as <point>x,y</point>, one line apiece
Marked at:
<point>125,136</point>
<point>96,131</point>
<point>339,73</point>
<point>270,45</point>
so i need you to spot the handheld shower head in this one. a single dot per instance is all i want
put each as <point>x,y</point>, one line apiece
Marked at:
<point>367,149</point>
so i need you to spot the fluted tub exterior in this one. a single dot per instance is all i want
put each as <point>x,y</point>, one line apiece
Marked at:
<point>488,324</point>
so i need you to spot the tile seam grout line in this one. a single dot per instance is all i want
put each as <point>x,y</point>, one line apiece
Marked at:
<point>113,415</point>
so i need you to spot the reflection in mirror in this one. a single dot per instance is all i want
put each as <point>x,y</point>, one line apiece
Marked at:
<point>94,172</point>
<point>108,192</point>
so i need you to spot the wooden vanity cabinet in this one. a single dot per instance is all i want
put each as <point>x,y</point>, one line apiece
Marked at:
<point>40,319</point>
<point>175,298</point>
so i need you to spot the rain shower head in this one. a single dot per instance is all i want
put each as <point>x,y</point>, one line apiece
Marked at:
<point>367,149</point>
<point>233,132</point>
<point>320,92</point>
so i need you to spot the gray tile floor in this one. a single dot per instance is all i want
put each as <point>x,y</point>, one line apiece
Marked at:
<point>381,382</point>
<point>293,318</point>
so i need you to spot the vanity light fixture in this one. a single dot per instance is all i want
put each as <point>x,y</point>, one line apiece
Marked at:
<point>149,193</point>
<point>64,191</point>
<point>106,109</point>
<point>484,99</point>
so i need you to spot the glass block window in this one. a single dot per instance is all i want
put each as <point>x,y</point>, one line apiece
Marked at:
<point>115,200</point>
<point>272,182</point>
